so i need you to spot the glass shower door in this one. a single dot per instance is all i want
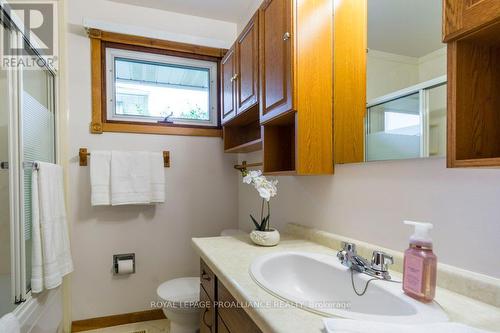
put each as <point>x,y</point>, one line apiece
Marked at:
<point>394,129</point>
<point>7,302</point>
<point>38,144</point>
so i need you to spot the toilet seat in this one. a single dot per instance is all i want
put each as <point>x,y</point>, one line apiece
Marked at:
<point>182,292</point>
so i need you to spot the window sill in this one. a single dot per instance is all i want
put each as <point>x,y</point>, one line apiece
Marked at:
<point>155,129</point>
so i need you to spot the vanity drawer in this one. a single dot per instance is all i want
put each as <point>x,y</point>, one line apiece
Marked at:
<point>221,327</point>
<point>207,313</point>
<point>207,279</point>
<point>234,317</point>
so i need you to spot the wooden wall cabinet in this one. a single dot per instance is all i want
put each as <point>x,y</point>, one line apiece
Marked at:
<point>472,31</point>
<point>240,92</point>
<point>228,86</point>
<point>296,76</point>
<point>306,83</point>
<point>224,318</point>
<point>312,69</point>
<point>465,16</point>
<point>275,58</point>
<point>247,66</point>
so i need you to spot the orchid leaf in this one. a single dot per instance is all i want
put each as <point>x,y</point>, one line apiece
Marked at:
<point>263,226</point>
<point>257,226</point>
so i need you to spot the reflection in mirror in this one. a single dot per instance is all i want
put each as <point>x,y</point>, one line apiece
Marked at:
<point>406,80</point>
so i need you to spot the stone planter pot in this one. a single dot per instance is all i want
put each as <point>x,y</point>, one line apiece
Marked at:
<point>265,238</point>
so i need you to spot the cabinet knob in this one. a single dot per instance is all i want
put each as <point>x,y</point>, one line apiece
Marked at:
<point>234,77</point>
<point>286,36</point>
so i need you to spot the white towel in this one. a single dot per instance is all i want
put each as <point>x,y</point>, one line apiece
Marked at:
<point>130,178</point>
<point>100,180</point>
<point>51,256</point>
<point>157,178</point>
<point>9,324</point>
<point>334,325</point>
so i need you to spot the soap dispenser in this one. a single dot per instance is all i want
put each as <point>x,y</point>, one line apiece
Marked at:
<point>420,264</point>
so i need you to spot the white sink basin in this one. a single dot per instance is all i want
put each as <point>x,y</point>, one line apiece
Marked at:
<point>319,283</point>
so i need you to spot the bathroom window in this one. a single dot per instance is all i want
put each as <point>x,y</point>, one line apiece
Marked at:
<point>146,85</point>
<point>154,88</point>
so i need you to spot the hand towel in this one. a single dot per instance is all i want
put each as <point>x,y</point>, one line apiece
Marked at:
<point>100,180</point>
<point>157,178</point>
<point>51,256</point>
<point>9,324</point>
<point>130,178</point>
<point>334,325</point>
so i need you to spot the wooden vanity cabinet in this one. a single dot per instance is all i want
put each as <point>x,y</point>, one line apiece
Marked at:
<point>218,317</point>
<point>472,33</point>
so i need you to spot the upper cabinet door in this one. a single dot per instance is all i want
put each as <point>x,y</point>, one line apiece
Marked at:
<point>228,77</point>
<point>275,58</point>
<point>247,52</point>
<point>464,16</point>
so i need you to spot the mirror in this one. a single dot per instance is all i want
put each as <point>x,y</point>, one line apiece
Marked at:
<point>406,80</point>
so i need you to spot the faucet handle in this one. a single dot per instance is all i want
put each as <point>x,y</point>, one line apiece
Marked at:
<point>381,261</point>
<point>349,247</point>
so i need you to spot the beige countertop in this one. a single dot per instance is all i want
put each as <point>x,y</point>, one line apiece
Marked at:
<point>230,258</point>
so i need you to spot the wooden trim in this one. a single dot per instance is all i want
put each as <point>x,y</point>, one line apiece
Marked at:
<point>160,129</point>
<point>451,99</point>
<point>100,40</point>
<point>476,163</point>
<point>115,320</point>
<point>96,69</point>
<point>155,43</point>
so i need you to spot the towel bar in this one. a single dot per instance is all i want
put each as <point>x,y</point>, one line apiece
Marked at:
<point>244,165</point>
<point>83,154</point>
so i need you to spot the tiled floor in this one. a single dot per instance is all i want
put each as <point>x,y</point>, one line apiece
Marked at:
<point>154,326</point>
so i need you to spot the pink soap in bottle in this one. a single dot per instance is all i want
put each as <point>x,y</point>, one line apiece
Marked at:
<point>420,264</point>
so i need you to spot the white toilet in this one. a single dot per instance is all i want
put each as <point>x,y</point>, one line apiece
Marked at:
<point>181,296</point>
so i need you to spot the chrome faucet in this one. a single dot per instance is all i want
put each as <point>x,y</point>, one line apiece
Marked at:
<point>378,267</point>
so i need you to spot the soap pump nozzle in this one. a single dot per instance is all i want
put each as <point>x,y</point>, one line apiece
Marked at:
<point>422,232</point>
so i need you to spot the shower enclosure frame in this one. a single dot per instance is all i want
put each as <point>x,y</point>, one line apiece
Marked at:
<point>16,166</point>
<point>422,89</point>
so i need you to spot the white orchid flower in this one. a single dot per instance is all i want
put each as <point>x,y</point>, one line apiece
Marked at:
<point>251,175</point>
<point>264,193</point>
<point>266,188</point>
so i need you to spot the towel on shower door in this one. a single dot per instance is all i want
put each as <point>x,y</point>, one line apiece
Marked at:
<point>51,256</point>
<point>100,178</point>
<point>334,325</point>
<point>130,178</point>
<point>9,324</point>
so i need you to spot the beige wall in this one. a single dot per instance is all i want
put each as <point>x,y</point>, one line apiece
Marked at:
<point>369,202</point>
<point>201,195</point>
<point>389,72</point>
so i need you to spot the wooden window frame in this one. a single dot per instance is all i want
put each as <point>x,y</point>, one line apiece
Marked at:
<point>100,40</point>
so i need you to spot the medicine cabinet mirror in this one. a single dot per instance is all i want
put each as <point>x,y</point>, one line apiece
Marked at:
<point>406,80</point>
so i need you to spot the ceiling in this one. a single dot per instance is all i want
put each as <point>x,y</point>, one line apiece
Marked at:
<point>406,27</point>
<point>225,10</point>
